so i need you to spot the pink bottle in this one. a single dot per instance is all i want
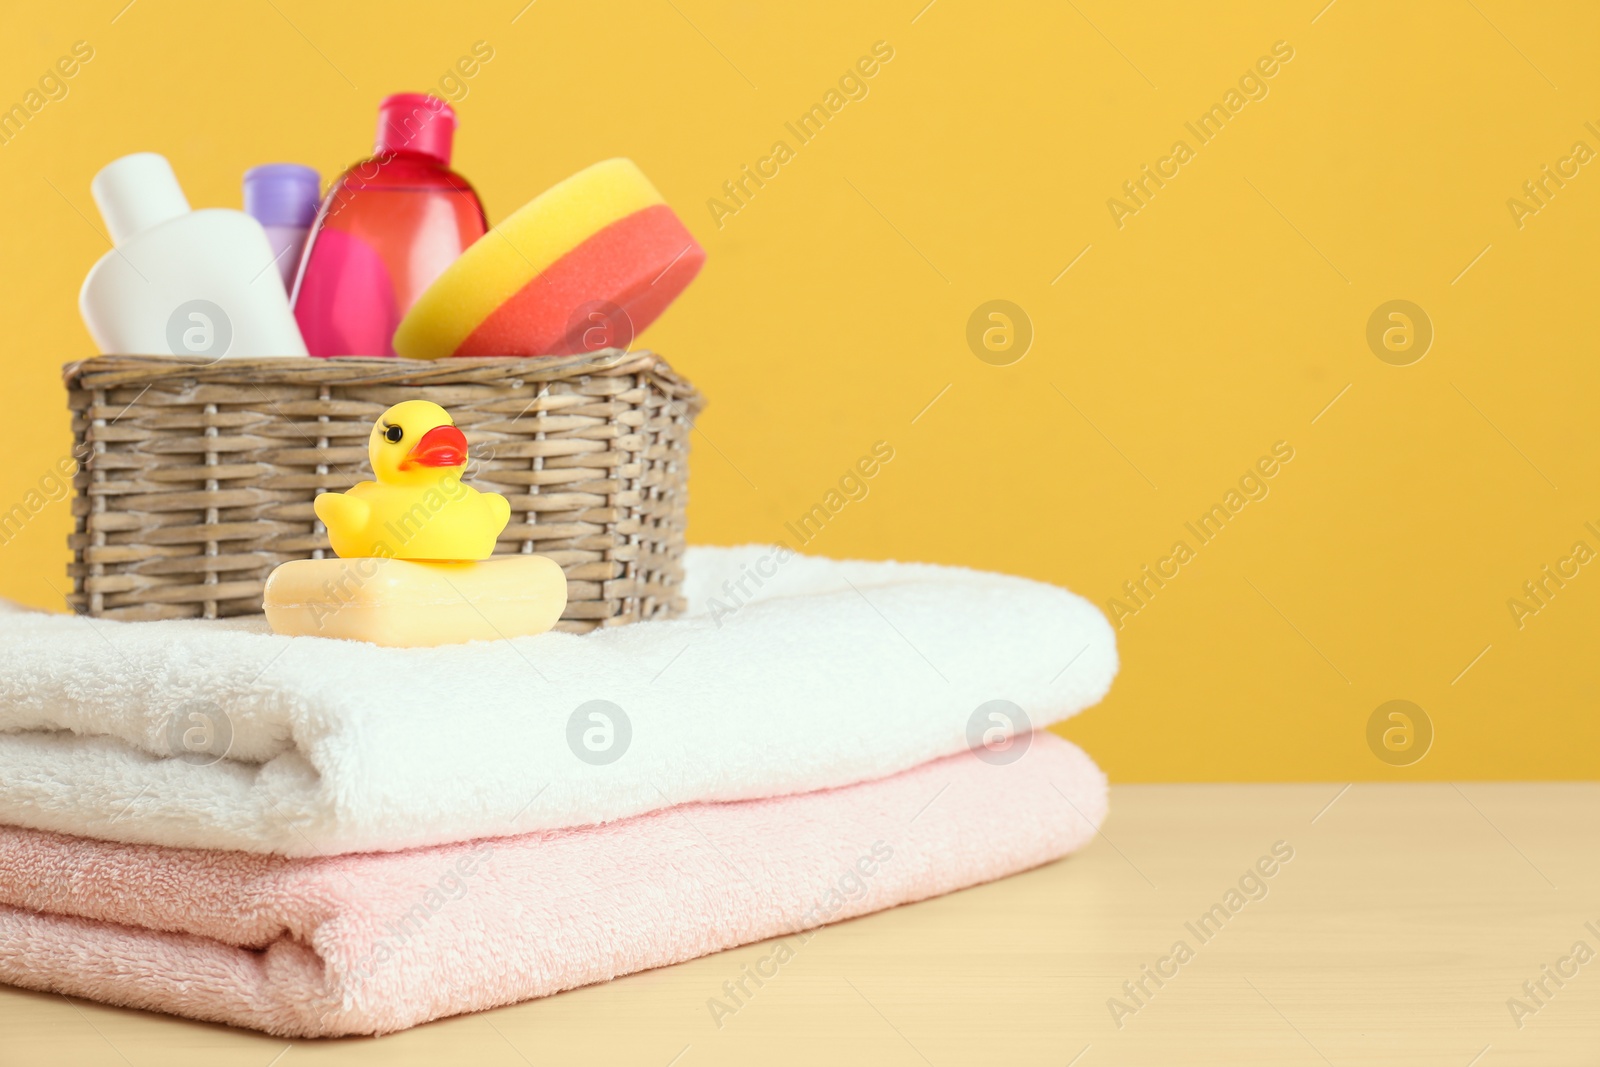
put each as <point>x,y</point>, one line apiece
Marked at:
<point>385,231</point>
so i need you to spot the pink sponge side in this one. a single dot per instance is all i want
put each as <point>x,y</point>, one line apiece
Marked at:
<point>601,294</point>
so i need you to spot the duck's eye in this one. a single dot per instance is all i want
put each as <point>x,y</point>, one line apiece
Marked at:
<point>394,433</point>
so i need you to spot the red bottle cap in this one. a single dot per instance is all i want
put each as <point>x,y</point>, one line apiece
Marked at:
<point>416,122</point>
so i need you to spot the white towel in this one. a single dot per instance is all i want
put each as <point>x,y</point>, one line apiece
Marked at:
<point>788,674</point>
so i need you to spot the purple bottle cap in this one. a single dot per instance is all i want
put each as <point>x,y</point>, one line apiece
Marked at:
<point>282,194</point>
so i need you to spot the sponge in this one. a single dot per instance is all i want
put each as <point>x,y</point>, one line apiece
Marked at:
<point>587,264</point>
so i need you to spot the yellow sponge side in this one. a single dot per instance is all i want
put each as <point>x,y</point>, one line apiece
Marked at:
<point>497,265</point>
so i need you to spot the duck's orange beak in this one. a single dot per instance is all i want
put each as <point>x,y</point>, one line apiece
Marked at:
<point>442,446</point>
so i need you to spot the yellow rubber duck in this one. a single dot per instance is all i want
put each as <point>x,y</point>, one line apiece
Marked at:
<point>418,508</point>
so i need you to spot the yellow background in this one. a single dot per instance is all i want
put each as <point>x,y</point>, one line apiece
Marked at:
<point>1223,317</point>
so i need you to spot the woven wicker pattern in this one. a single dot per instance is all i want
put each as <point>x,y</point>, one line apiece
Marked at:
<point>199,476</point>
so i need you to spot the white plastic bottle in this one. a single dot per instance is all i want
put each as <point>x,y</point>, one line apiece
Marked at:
<point>180,282</point>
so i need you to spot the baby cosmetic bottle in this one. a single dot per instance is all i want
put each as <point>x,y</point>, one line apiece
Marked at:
<point>388,227</point>
<point>283,197</point>
<point>181,282</point>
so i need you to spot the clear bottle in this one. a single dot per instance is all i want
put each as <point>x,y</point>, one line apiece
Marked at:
<point>387,228</point>
<point>283,197</point>
<point>181,282</point>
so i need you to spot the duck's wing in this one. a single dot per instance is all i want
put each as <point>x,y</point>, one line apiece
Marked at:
<point>499,510</point>
<point>342,510</point>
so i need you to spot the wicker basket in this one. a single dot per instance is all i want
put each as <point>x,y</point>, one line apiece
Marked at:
<point>197,477</point>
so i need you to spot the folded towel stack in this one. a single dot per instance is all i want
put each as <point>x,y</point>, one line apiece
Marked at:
<point>316,838</point>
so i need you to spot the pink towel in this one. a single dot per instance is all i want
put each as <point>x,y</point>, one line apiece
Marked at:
<point>371,943</point>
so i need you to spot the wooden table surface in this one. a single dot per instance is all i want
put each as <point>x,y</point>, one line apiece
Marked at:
<point>1405,924</point>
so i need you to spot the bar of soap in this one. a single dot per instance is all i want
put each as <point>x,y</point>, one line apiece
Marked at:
<point>402,603</point>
